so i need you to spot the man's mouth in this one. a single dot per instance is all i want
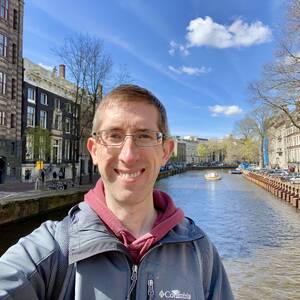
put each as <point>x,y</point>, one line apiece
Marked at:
<point>129,174</point>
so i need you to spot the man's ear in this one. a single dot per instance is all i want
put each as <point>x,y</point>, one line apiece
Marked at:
<point>168,148</point>
<point>92,147</point>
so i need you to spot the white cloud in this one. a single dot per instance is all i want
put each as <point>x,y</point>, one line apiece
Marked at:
<point>190,70</point>
<point>225,110</point>
<point>178,47</point>
<point>49,68</point>
<point>205,32</point>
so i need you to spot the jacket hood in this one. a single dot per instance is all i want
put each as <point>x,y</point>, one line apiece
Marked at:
<point>89,236</point>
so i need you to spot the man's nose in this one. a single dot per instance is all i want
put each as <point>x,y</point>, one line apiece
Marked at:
<point>129,151</point>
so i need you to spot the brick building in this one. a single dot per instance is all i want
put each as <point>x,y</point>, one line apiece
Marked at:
<point>11,40</point>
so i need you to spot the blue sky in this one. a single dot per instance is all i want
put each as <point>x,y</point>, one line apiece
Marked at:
<point>197,56</point>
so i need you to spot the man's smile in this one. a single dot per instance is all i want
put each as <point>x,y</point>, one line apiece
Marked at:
<point>126,174</point>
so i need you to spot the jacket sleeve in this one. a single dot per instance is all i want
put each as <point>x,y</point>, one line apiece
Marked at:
<point>219,288</point>
<point>28,268</point>
<point>216,285</point>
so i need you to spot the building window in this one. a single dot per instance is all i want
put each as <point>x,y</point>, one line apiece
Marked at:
<point>13,88</point>
<point>31,95</point>
<point>29,147</point>
<point>2,83</point>
<point>12,121</point>
<point>57,103</point>
<point>68,125</point>
<point>30,116</point>
<point>4,9</point>
<point>15,20</point>
<point>57,121</point>
<point>3,45</point>
<point>2,118</point>
<point>44,99</point>
<point>14,53</point>
<point>43,119</point>
<point>56,151</point>
<point>69,107</point>
<point>67,149</point>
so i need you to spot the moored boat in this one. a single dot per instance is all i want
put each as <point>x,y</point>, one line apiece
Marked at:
<point>235,171</point>
<point>212,176</point>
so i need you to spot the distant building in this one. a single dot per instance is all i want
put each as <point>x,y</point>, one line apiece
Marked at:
<point>284,144</point>
<point>48,103</point>
<point>11,41</point>
<point>186,149</point>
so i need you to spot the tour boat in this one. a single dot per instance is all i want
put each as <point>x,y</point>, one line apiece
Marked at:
<point>212,176</point>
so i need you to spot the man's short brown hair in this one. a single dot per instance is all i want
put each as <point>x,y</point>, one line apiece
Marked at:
<point>132,93</point>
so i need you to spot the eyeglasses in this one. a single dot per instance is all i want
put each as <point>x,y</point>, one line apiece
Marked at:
<point>143,138</point>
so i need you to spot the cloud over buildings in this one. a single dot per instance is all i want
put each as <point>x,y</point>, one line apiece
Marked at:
<point>206,32</point>
<point>230,110</point>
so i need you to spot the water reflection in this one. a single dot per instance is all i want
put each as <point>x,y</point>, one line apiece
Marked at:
<point>257,235</point>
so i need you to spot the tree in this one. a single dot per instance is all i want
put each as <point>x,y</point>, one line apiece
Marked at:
<point>41,143</point>
<point>279,86</point>
<point>89,68</point>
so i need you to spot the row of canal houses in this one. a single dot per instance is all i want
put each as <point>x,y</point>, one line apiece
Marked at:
<point>33,96</point>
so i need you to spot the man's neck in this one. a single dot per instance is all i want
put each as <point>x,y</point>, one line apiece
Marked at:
<point>137,219</point>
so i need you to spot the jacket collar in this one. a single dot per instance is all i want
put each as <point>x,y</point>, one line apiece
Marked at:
<point>88,235</point>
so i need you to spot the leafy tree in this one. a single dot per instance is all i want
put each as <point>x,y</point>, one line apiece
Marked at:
<point>41,141</point>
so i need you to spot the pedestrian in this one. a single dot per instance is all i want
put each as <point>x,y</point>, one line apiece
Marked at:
<point>125,240</point>
<point>60,174</point>
<point>43,177</point>
<point>54,175</point>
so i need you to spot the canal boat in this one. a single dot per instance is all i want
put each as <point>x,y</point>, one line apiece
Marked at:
<point>235,171</point>
<point>212,176</point>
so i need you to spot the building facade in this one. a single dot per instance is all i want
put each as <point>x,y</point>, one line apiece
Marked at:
<point>11,72</point>
<point>49,125</point>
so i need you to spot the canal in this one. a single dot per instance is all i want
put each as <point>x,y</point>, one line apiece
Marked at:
<point>257,235</point>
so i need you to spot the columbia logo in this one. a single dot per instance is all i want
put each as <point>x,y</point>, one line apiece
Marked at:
<point>174,294</point>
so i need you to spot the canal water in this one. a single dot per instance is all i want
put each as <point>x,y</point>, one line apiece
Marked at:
<point>257,235</point>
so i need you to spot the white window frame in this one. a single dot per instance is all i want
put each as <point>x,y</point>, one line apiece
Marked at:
<point>57,121</point>
<point>67,149</point>
<point>29,147</point>
<point>31,95</point>
<point>44,98</point>
<point>32,118</point>
<point>57,144</point>
<point>2,83</point>
<point>3,45</point>
<point>43,119</point>
<point>68,125</point>
<point>57,104</point>
<point>4,9</point>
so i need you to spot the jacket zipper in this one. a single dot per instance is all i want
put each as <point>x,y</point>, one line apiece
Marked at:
<point>150,289</point>
<point>133,280</point>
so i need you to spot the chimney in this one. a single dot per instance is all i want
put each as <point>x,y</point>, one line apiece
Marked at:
<point>62,71</point>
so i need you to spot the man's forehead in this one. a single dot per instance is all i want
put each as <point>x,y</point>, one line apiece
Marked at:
<point>129,114</point>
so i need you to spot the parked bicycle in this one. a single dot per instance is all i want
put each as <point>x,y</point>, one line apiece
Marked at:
<point>57,185</point>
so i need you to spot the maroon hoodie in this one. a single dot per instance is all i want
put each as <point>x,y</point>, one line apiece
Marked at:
<point>168,216</point>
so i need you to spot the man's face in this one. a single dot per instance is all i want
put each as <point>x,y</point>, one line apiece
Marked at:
<point>128,171</point>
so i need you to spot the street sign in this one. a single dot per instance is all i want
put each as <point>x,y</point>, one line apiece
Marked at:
<point>39,165</point>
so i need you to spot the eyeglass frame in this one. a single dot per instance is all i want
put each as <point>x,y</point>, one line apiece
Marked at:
<point>163,137</point>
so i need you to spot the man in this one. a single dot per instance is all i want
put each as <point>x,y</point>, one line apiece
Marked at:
<point>125,241</point>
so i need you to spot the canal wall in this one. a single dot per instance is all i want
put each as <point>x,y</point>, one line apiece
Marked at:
<point>283,190</point>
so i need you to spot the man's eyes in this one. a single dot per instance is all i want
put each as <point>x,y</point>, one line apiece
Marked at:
<point>145,136</point>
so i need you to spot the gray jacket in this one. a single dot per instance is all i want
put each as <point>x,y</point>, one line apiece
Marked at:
<point>85,261</point>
